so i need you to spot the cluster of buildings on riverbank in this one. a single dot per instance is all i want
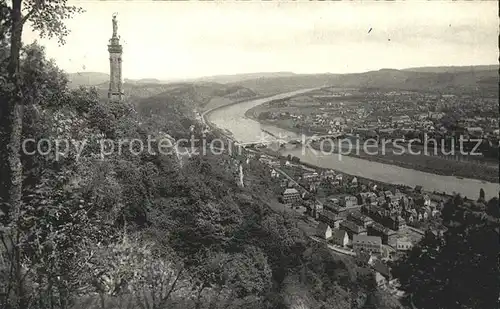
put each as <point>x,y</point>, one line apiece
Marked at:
<point>370,219</point>
<point>358,206</point>
<point>393,115</point>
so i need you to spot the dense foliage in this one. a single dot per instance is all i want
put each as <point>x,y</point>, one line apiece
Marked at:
<point>129,229</point>
<point>458,269</point>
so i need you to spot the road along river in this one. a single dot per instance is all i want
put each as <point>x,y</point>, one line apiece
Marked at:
<point>244,130</point>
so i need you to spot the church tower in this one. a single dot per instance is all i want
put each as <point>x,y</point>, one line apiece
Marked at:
<point>115,92</point>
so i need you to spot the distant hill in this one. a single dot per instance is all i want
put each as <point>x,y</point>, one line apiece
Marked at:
<point>454,69</point>
<point>146,81</point>
<point>271,85</point>
<point>225,79</point>
<point>97,78</point>
<point>482,79</point>
<point>87,79</point>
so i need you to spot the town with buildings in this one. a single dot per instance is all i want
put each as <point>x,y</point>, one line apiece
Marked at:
<point>373,222</point>
<point>389,114</point>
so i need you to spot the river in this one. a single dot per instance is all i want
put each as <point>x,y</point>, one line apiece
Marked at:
<point>244,130</point>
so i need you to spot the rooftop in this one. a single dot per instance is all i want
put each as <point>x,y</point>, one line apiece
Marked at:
<point>353,227</point>
<point>291,191</point>
<point>340,234</point>
<point>379,227</point>
<point>330,215</point>
<point>376,240</point>
<point>322,227</point>
<point>359,216</point>
<point>382,268</point>
<point>403,241</point>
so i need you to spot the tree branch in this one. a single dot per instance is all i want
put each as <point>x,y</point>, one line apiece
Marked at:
<point>37,6</point>
<point>172,287</point>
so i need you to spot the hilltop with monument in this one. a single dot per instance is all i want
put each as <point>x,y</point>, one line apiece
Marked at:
<point>115,92</point>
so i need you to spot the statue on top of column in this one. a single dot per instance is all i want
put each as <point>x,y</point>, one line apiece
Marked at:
<point>115,25</point>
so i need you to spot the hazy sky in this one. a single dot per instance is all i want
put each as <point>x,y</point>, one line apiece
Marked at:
<point>190,39</point>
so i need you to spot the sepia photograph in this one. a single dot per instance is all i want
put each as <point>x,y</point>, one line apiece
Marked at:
<point>249,154</point>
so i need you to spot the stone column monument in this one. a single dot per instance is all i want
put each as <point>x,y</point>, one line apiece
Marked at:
<point>115,92</point>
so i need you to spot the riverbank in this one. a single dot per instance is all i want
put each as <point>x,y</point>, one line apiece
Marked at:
<point>361,179</point>
<point>424,163</point>
<point>278,155</point>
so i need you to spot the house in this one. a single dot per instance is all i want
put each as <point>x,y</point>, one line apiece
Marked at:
<point>291,195</point>
<point>394,223</point>
<point>274,174</point>
<point>352,228</point>
<point>349,201</point>
<point>285,183</point>
<point>427,200</point>
<point>324,230</point>
<point>333,207</point>
<point>339,178</point>
<point>388,252</point>
<point>315,211</point>
<point>360,219</point>
<point>387,235</point>
<point>410,214</point>
<point>380,279</point>
<point>441,231</point>
<point>398,196</point>
<point>341,238</point>
<point>372,244</point>
<point>406,202</point>
<point>311,176</point>
<point>435,213</point>
<point>364,257</point>
<point>383,271</point>
<point>381,200</point>
<point>401,223</point>
<point>366,197</point>
<point>330,174</point>
<point>403,245</point>
<point>329,218</point>
<point>334,200</point>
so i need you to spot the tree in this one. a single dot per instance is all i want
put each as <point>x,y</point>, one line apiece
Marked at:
<point>493,208</point>
<point>46,18</point>
<point>135,273</point>
<point>481,195</point>
<point>458,270</point>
